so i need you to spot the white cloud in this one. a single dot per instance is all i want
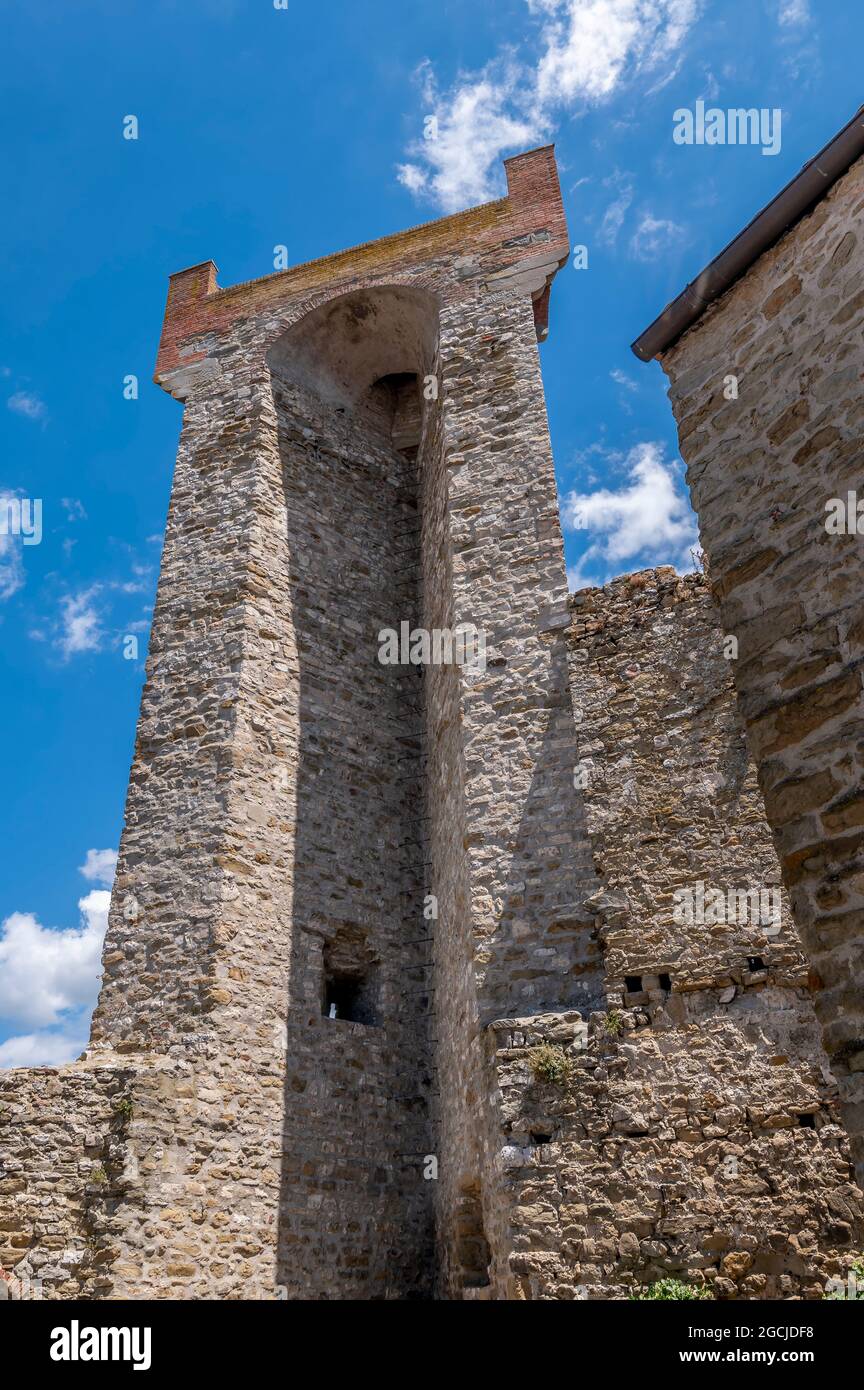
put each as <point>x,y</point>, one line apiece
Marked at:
<point>622,379</point>
<point>666,78</point>
<point>795,14</point>
<point>591,45</point>
<point>11,568</point>
<point>81,623</point>
<point>648,520</point>
<point>613,218</point>
<point>100,866</point>
<point>49,980</point>
<point>142,584</point>
<point>27,403</point>
<point>129,586</point>
<point>413,177</point>
<point>46,974</point>
<point>799,42</point>
<point>585,50</point>
<point>654,236</point>
<point>474,127</point>
<point>48,1048</point>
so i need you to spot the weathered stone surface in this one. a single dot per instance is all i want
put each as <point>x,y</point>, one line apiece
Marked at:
<point>698,1134</point>
<point>446,859</point>
<point>762,469</point>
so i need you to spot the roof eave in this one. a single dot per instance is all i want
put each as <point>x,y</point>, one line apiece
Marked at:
<point>789,206</point>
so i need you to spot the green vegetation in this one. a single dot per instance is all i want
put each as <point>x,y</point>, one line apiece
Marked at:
<point>672,1289</point>
<point>551,1064</point>
<point>853,1286</point>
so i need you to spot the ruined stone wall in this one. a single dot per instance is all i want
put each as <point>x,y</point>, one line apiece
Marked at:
<point>674,1154</point>
<point>61,1131</point>
<point>761,468</point>
<point>671,797</point>
<point>143,1179</point>
<point>698,1135</point>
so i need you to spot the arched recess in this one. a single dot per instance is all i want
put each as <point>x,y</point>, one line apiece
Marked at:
<point>365,355</point>
<point>349,414</point>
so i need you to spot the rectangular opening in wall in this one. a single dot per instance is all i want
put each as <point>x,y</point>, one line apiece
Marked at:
<point>633,984</point>
<point>472,1248</point>
<point>350,997</point>
<point>755,963</point>
<point>665,983</point>
<point>350,986</point>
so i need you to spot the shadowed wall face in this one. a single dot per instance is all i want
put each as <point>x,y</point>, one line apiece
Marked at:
<point>509,854</point>
<point>355,1216</point>
<point>698,1134</point>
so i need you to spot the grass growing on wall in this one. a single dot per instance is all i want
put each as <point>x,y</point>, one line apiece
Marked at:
<point>550,1064</point>
<point>672,1289</point>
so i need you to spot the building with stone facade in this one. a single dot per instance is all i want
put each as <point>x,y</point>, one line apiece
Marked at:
<point>475,980</point>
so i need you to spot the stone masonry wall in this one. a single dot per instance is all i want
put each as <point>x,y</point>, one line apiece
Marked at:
<point>355,1213</point>
<point>277,822</point>
<point>699,1133</point>
<point>671,795</point>
<point>516,935</point>
<point>60,1135</point>
<point>761,468</point>
<point>295,806</point>
<point>662,1157</point>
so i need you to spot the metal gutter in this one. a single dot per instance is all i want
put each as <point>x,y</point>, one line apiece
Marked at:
<point>790,205</point>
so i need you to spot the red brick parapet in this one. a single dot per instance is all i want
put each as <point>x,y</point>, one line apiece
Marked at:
<point>517,242</point>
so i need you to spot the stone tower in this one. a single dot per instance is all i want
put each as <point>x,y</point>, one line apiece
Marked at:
<point>311,831</point>
<point>396,1003</point>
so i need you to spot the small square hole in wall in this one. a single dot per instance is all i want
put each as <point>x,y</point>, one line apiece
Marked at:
<point>342,997</point>
<point>807,1121</point>
<point>755,963</point>
<point>665,983</point>
<point>633,983</point>
<point>350,997</point>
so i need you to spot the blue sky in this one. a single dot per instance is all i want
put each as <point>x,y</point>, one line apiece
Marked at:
<point>303,125</point>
